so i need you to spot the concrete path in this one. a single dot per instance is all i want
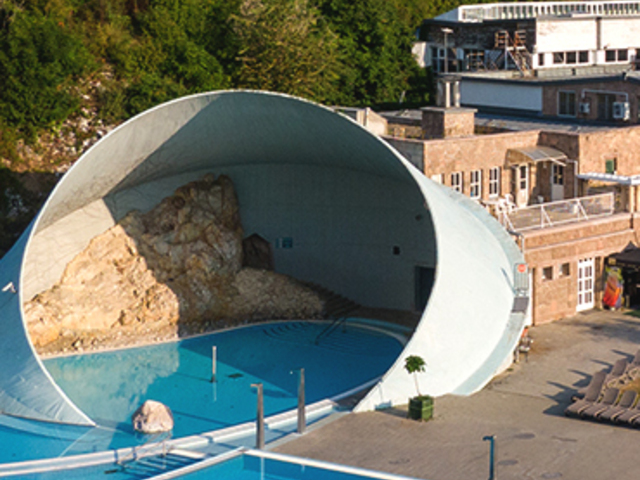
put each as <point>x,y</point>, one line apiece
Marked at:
<point>523,408</point>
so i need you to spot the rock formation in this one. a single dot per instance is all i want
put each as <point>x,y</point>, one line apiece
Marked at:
<point>176,269</point>
<point>152,417</point>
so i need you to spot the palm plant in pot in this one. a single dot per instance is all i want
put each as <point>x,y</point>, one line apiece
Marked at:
<point>420,407</point>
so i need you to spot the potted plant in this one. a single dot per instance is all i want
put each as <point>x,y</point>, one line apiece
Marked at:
<point>420,407</point>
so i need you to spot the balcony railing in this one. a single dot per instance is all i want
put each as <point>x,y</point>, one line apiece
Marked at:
<point>557,213</point>
<point>502,11</point>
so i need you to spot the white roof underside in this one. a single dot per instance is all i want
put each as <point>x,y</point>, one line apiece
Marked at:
<point>467,330</point>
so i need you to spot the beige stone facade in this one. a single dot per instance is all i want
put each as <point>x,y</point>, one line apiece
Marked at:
<point>566,261</point>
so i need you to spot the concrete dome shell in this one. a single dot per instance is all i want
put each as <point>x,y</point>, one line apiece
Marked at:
<point>362,221</point>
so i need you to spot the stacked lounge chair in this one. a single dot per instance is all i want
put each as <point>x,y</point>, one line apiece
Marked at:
<point>627,400</point>
<point>607,399</point>
<point>591,395</point>
<point>629,416</point>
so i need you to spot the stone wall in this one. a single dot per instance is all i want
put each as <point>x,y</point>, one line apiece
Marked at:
<point>559,249</point>
<point>175,270</point>
<point>480,152</point>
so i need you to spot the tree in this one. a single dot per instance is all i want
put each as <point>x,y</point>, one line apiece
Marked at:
<point>285,46</point>
<point>414,364</point>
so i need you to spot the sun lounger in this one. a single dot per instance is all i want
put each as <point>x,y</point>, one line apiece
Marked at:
<point>608,399</point>
<point>636,360</point>
<point>629,415</point>
<point>591,395</point>
<point>627,399</point>
<point>618,369</point>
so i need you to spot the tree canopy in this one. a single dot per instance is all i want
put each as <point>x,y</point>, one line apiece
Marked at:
<point>143,52</point>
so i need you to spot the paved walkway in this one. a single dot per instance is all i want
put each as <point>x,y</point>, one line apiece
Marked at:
<point>523,408</point>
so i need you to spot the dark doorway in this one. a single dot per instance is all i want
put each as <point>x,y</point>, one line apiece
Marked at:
<point>424,284</point>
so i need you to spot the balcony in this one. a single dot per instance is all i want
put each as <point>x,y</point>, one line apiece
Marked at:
<point>553,214</point>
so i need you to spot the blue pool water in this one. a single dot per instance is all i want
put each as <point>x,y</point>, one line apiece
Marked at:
<point>256,467</point>
<point>110,386</point>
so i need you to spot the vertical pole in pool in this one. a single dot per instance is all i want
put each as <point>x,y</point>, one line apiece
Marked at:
<point>302,421</point>
<point>259,417</point>
<point>214,360</point>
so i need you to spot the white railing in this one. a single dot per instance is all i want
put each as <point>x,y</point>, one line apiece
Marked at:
<point>558,213</point>
<point>504,11</point>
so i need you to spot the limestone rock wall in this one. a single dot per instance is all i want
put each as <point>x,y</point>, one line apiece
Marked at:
<point>175,270</point>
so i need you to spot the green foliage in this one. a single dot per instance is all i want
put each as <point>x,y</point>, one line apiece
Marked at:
<point>414,364</point>
<point>39,59</point>
<point>285,46</point>
<point>145,52</point>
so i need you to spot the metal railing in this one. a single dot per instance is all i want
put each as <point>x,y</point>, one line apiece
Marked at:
<point>502,11</point>
<point>558,213</point>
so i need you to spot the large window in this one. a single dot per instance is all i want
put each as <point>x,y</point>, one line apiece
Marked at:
<point>621,55</point>
<point>494,182</point>
<point>475,185</point>
<point>567,103</point>
<point>456,181</point>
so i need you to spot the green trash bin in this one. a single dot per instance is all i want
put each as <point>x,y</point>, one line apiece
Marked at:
<point>421,408</point>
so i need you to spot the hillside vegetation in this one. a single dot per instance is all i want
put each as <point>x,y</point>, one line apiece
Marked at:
<point>72,69</point>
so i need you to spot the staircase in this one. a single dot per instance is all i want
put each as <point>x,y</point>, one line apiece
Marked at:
<point>151,466</point>
<point>515,48</point>
<point>335,305</point>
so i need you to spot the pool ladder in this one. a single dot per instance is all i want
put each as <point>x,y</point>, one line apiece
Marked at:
<point>331,328</point>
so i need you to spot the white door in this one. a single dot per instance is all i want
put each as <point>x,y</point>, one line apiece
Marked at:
<point>522,185</point>
<point>585,284</point>
<point>557,182</point>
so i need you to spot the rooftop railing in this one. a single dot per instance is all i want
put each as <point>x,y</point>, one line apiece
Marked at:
<point>558,213</point>
<point>506,11</point>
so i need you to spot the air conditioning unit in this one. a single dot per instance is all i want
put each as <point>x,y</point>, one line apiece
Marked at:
<point>585,108</point>
<point>621,110</point>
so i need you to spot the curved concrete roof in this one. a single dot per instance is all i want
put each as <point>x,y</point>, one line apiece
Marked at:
<point>362,218</point>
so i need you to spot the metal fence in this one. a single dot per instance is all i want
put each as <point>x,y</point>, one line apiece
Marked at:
<point>559,213</point>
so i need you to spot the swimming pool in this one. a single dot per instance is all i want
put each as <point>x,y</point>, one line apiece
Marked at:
<point>109,386</point>
<point>259,465</point>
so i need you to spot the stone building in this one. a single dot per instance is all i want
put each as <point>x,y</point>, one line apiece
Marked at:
<point>574,60</point>
<point>569,196</point>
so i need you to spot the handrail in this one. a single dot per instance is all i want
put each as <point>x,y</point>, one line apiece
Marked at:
<point>146,446</point>
<point>559,212</point>
<point>498,11</point>
<point>330,328</point>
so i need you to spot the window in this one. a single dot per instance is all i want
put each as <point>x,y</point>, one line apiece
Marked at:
<point>523,178</point>
<point>558,57</point>
<point>621,55</point>
<point>547,273</point>
<point>611,166</point>
<point>475,185</point>
<point>557,174</point>
<point>572,57</point>
<point>565,270</point>
<point>541,59</point>
<point>567,103</point>
<point>583,56</point>
<point>494,182</point>
<point>456,181</point>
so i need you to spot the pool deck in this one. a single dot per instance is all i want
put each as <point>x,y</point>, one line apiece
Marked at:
<point>523,408</point>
